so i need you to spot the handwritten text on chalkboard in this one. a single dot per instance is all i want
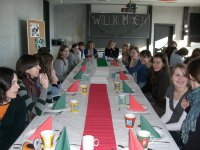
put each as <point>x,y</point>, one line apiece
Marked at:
<point>119,25</point>
<point>119,19</point>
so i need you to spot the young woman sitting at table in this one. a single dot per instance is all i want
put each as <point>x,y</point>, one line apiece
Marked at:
<point>111,50</point>
<point>191,125</point>
<point>125,55</point>
<point>174,113</point>
<point>146,58</point>
<point>136,68</point>
<point>90,51</point>
<point>74,56</point>
<point>46,64</point>
<point>33,85</point>
<point>61,64</point>
<point>158,82</point>
<point>12,110</point>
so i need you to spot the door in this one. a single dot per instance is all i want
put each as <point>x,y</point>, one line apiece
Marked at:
<point>163,35</point>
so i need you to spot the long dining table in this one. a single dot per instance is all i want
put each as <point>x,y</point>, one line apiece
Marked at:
<point>75,122</point>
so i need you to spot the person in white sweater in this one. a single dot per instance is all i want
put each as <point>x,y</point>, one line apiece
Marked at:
<point>174,113</point>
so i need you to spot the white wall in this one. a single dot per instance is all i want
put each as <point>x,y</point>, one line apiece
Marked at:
<point>13,35</point>
<point>69,24</point>
<point>167,15</point>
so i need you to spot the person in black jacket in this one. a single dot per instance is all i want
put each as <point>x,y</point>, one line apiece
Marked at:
<point>12,110</point>
<point>111,50</point>
<point>158,81</point>
<point>191,125</point>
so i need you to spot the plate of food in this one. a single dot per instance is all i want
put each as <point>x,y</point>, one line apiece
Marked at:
<point>48,108</point>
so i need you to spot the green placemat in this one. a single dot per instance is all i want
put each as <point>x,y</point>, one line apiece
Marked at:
<point>126,88</point>
<point>101,62</point>
<point>60,103</point>
<point>84,62</point>
<point>63,141</point>
<point>78,76</point>
<point>145,125</point>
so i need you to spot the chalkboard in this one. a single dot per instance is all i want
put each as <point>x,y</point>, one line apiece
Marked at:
<point>119,26</point>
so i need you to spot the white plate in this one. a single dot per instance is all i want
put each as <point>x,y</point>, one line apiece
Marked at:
<point>71,93</point>
<point>48,108</point>
<point>72,147</point>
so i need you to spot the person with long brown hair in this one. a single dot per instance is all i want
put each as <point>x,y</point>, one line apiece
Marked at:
<point>12,109</point>
<point>158,81</point>
<point>61,64</point>
<point>191,125</point>
<point>176,92</point>
<point>34,86</point>
<point>46,64</point>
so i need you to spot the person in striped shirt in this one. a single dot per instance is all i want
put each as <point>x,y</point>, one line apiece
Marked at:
<point>34,87</point>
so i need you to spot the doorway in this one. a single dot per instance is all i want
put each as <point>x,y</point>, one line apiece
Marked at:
<point>163,36</point>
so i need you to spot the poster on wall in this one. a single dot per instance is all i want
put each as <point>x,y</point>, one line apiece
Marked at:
<point>35,35</point>
<point>34,29</point>
<point>39,42</point>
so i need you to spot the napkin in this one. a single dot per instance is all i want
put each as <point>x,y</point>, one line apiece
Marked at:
<point>47,125</point>
<point>60,103</point>
<point>125,72</point>
<point>126,88</point>
<point>134,144</point>
<point>122,76</point>
<point>115,63</point>
<point>78,75</point>
<point>135,105</point>
<point>145,125</point>
<point>83,68</point>
<point>63,141</point>
<point>84,62</point>
<point>74,87</point>
<point>101,62</point>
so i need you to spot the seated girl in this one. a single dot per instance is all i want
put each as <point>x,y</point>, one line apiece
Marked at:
<point>136,68</point>
<point>28,71</point>
<point>111,51</point>
<point>158,82</point>
<point>61,63</point>
<point>12,110</point>
<point>174,113</point>
<point>46,64</point>
<point>191,125</point>
<point>90,51</point>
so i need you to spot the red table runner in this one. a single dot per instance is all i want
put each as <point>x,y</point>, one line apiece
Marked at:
<point>98,119</point>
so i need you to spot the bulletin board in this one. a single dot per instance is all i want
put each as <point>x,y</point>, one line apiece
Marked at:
<point>36,35</point>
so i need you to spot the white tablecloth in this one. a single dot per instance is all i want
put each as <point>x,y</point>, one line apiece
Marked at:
<point>74,122</point>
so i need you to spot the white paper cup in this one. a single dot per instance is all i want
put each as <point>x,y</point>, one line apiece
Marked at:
<point>47,137</point>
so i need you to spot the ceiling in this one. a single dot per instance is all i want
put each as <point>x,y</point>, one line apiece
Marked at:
<point>191,3</point>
